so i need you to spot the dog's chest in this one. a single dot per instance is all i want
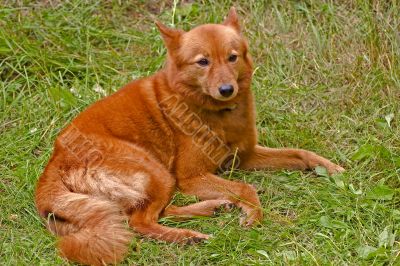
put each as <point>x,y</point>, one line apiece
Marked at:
<point>212,139</point>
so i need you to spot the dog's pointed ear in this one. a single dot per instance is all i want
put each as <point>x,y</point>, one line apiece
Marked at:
<point>171,37</point>
<point>232,20</point>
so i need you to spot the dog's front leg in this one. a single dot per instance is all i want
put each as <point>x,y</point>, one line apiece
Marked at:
<point>269,158</point>
<point>210,187</point>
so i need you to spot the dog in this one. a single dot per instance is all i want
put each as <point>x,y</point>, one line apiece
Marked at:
<point>124,156</point>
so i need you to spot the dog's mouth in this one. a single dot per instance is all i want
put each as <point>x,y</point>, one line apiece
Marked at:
<point>223,99</point>
<point>230,107</point>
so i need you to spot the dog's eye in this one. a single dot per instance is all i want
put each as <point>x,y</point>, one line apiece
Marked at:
<point>203,62</point>
<point>232,58</point>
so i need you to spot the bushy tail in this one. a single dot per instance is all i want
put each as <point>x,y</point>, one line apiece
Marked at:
<point>92,229</point>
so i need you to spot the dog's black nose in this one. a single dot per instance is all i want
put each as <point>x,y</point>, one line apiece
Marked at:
<point>226,90</point>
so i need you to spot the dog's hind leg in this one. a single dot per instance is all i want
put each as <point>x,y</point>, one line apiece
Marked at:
<point>145,219</point>
<point>203,208</point>
<point>143,187</point>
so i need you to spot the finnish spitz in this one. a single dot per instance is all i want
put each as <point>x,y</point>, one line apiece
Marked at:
<point>124,156</point>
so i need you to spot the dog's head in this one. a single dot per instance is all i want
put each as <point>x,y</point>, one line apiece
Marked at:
<point>209,64</point>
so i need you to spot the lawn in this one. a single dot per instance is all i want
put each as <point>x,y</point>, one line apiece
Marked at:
<point>327,79</point>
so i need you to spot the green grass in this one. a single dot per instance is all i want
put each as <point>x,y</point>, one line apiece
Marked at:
<point>327,79</point>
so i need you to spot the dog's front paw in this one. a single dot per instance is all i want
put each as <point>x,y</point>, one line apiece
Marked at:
<point>313,160</point>
<point>335,169</point>
<point>251,216</point>
<point>250,206</point>
<point>332,168</point>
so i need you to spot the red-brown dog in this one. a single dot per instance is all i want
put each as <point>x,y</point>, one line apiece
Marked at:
<point>123,158</point>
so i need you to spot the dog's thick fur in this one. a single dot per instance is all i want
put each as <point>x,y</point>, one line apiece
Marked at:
<point>123,158</point>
